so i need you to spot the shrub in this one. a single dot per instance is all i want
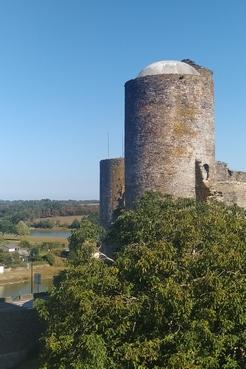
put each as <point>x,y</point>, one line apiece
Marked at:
<point>50,258</point>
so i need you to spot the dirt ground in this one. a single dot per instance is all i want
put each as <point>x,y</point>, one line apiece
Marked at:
<point>23,274</point>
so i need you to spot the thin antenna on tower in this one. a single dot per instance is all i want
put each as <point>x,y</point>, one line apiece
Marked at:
<point>108,145</point>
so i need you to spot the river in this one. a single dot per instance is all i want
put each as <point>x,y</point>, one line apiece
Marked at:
<point>22,288</point>
<point>50,234</point>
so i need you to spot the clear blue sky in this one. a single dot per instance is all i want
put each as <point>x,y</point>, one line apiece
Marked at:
<point>63,65</point>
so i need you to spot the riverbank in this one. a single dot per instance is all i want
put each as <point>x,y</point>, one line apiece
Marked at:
<point>18,275</point>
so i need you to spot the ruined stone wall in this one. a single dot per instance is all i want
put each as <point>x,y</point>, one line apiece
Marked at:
<point>223,173</point>
<point>231,193</point>
<point>112,187</point>
<point>229,185</point>
<point>169,135</point>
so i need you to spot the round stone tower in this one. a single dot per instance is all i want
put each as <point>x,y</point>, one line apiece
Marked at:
<point>169,131</point>
<point>112,187</point>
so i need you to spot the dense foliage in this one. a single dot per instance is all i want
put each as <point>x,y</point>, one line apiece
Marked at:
<point>86,231</point>
<point>173,299</point>
<point>22,229</point>
<point>75,224</point>
<point>6,226</point>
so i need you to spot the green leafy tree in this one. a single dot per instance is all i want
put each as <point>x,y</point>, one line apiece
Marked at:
<point>25,244</point>
<point>174,297</point>
<point>35,254</point>
<point>86,231</point>
<point>94,218</point>
<point>22,228</point>
<point>6,226</point>
<point>5,258</point>
<point>50,258</point>
<point>75,224</point>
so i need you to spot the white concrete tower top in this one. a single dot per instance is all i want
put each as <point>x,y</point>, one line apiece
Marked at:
<point>168,67</point>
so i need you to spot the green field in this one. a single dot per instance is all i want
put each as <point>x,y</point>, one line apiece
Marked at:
<point>66,220</point>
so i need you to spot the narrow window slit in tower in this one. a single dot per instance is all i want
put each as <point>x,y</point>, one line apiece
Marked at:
<point>206,167</point>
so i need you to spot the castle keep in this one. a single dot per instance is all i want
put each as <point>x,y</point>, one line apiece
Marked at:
<point>169,130</point>
<point>169,141</point>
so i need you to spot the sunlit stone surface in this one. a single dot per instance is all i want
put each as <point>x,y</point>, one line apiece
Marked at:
<point>168,67</point>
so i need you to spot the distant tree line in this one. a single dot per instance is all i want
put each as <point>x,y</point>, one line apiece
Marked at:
<point>31,209</point>
<point>14,212</point>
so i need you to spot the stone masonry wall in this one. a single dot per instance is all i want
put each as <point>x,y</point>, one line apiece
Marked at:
<point>112,187</point>
<point>223,173</point>
<point>231,193</point>
<point>169,135</point>
<point>229,186</point>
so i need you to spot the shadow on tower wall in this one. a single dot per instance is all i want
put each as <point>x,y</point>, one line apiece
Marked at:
<point>201,178</point>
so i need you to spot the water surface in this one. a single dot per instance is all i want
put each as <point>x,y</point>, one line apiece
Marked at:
<point>50,233</point>
<point>22,288</point>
